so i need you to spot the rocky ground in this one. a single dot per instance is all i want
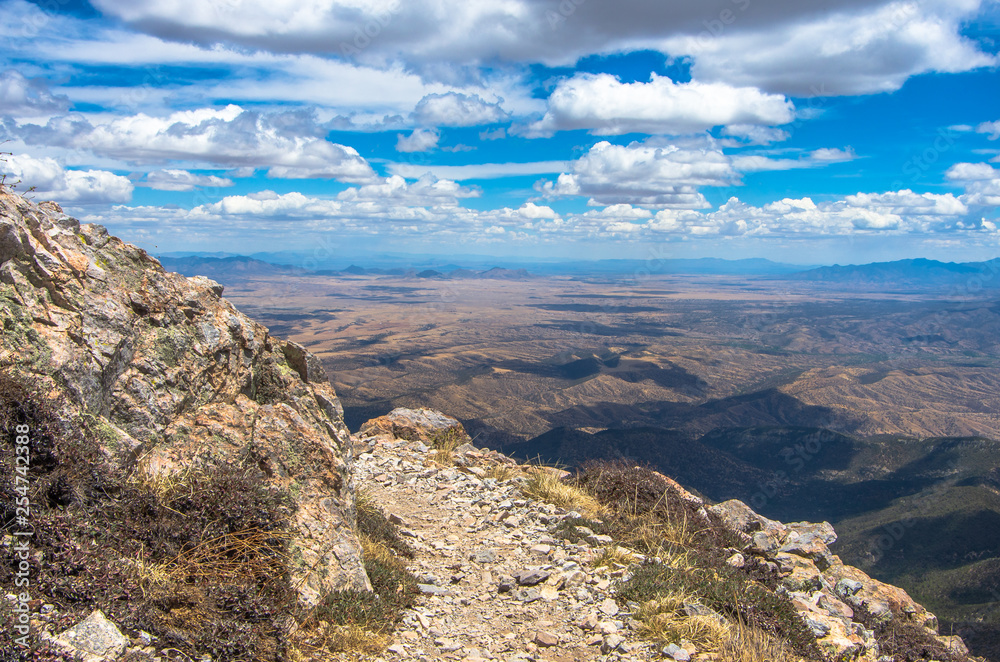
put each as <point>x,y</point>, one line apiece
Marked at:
<point>497,584</point>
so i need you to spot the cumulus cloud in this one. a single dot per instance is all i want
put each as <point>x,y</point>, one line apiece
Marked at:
<point>182,180</point>
<point>643,174</point>
<point>843,51</point>
<point>427,190</point>
<point>53,182</point>
<point>419,140</point>
<point>847,46</point>
<point>285,143</point>
<point>456,109</point>
<point>895,211</point>
<point>20,96</point>
<point>606,106</point>
<point>981,182</point>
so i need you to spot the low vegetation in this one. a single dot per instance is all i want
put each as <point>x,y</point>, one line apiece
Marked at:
<point>684,590</point>
<point>545,485</point>
<point>197,559</point>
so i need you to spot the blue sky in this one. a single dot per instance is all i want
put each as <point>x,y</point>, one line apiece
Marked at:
<point>838,131</point>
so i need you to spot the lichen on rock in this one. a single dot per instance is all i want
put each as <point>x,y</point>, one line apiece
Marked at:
<point>176,377</point>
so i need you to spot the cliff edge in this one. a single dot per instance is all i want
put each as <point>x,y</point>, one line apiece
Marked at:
<point>176,378</point>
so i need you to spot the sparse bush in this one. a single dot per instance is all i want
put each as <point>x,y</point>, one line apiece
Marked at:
<point>444,443</point>
<point>905,642</point>
<point>357,621</point>
<point>198,560</point>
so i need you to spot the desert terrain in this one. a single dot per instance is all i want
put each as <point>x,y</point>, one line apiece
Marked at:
<point>874,407</point>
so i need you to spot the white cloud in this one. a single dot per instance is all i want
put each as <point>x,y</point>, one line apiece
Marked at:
<point>992,128</point>
<point>20,96</point>
<point>419,140</point>
<point>456,109</point>
<point>842,47</point>
<point>981,182</point>
<point>182,180</point>
<point>756,135</point>
<point>897,212</point>
<point>396,190</point>
<point>606,106</point>
<point>478,170</point>
<point>644,174</point>
<point>285,143</point>
<point>842,51</point>
<point>53,182</point>
<point>494,134</point>
<point>815,159</point>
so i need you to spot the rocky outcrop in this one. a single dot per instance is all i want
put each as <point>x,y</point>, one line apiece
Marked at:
<point>832,598</point>
<point>176,376</point>
<point>424,425</point>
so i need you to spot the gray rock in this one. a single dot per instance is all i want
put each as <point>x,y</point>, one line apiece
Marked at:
<point>95,635</point>
<point>819,629</point>
<point>847,587</point>
<point>484,556</point>
<point>531,577</point>
<point>431,589</point>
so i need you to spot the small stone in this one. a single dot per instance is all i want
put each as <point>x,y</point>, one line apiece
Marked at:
<point>531,577</point>
<point>847,587</point>
<point>484,556</point>
<point>540,550</point>
<point>589,622</point>
<point>607,627</point>
<point>505,586</point>
<point>431,589</point>
<point>549,593</point>
<point>527,595</point>
<point>677,653</point>
<point>397,649</point>
<point>96,635</point>
<point>545,639</point>
<point>736,560</point>
<point>609,607</point>
<point>612,642</point>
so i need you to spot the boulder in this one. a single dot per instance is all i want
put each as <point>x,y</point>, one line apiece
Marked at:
<point>177,377</point>
<point>424,425</point>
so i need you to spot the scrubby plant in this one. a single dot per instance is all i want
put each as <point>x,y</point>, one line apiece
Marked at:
<point>687,554</point>
<point>356,621</point>
<point>198,560</point>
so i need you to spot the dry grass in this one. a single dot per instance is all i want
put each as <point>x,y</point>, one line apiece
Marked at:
<point>658,537</point>
<point>614,557</point>
<point>664,621</point>
<point>545,486</point>
<point>749,644</point>
<point>165,485</point>
<point>502,472</point>
<point>445,443</point>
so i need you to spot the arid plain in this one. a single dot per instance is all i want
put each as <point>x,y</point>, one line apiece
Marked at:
<point>519,357</point>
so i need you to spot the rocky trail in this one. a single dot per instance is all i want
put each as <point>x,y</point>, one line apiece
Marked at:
<point>497,585</point>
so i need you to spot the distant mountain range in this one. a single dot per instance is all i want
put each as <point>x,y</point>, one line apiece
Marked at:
<point>241,266</point>
<point>919,273</point>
